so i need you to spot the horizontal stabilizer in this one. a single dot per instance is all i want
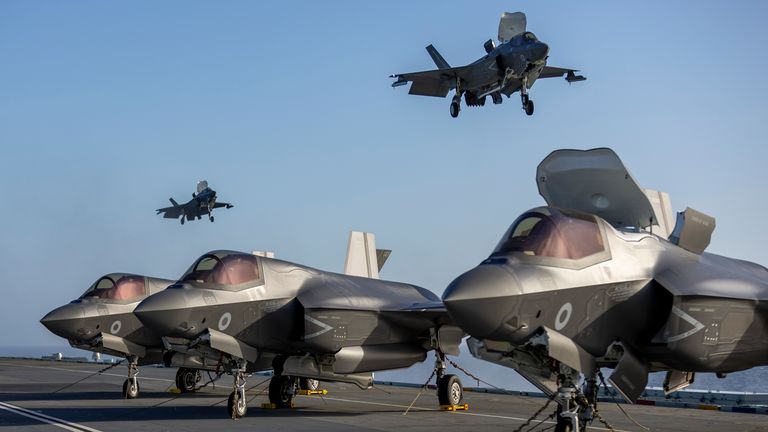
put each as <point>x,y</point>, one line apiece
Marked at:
<point>437,58</point>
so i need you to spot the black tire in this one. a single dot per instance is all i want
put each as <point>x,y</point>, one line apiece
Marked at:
<point>236,407</point>
<point>187,379</point>
<point>182,220</point>
<point>481,101</point>
<point>529,107</point>
<point>563,425</point>
<point>130,389</point>
<point>449,390</point>
<point>281,391</point>
<point>211,218</point>
<point>455,108</point>
<point>309,384</point>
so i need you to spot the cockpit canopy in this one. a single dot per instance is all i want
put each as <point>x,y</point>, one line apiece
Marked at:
<point>224,270</point>
<point>117,286</point>
<point>528,36</point>
<point>548,232</point>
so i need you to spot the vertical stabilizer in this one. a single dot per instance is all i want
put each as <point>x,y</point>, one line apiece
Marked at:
<point>662,208</point>
<point>361,258</point>
<point>437,58</point>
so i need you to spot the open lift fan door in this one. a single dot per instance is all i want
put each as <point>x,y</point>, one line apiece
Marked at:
<point>594,181</point>
<point>511,24</point>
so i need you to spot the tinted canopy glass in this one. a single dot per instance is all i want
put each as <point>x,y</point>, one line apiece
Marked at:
<point>553,233</point>
<point>221,269</point>
<point>118,287</point>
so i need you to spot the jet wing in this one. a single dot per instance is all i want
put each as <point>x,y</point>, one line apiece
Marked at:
<point>171,212</point>
<point>437,82</point>
<point>222,204</point>
<point>556,72</point>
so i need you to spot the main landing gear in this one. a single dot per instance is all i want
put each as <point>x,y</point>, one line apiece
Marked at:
<point>131,385</point>
<point>187,379</point>
<point>450,392</point>
<point>456,106</point>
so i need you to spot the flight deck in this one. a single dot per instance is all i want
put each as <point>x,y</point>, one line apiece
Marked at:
<point>29,401</point>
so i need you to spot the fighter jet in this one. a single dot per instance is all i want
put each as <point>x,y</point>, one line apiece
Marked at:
<point>251,313</point>
<point>513,65</point>
<point>203,202</point>
<point>102,320</point>
<point>598,279</point>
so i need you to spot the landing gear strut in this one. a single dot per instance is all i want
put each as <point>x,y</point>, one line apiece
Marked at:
<point>236,403</point>
<point>456,102</point>
<point>131,385</point>
<point>527,102</point>
<point>449,389</point>
<point>576,409</point>
<point>187,379</point>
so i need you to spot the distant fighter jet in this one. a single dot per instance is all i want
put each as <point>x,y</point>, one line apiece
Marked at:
<point>202,203</point>
<point>252,312</point>
<point>512,66</point>
<point>599,279</point>
<point>102,321</point>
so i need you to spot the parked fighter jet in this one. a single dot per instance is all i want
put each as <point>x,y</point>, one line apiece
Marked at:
<point>252,313</point>
<point>512,66</point>
<point>203,202</point>
<point>101,320</point>
<point>597,279</point>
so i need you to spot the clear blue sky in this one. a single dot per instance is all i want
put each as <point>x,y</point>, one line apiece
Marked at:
<point>109,108</point>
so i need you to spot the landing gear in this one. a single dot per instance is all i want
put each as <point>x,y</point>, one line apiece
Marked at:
<point>210,217</point>
<point>576,408</point>
<point>527,102</point>
<point>449,389</point>
<point>236,403</point>
<point>182,220</point>
<point>282,389</point>
<point>496,97</point>
<point>455,108</point>
<point>131,385</point>
<point>187,379</point>
<point>309,384</point>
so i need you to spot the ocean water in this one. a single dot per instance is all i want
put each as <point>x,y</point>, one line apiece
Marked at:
<point>754,380</point>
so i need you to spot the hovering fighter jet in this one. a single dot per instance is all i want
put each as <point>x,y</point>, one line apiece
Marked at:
<point>251,313</point>
<point>598,279</point>
<point>102,320</point>
<point>514,65</point>
<point>203,202</point>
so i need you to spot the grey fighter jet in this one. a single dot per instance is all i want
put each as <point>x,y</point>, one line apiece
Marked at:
<point>598,279</point>
<point>202,203</point>
<point>514,65</point>
<point>102,320</point>
<point>250,313</point>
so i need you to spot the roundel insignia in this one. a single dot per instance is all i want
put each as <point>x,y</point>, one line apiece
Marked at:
<point>224,321</point>
<point>115,327</point>
<point>563,316</point>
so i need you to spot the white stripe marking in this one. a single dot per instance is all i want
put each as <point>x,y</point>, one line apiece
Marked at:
<point>455,412</point>
<point>73,427</point>
<point>88,372</point>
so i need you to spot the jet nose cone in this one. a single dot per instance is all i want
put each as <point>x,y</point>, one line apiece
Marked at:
<point>482,299</point>
<point>165,313</point>
<point>65,320</point>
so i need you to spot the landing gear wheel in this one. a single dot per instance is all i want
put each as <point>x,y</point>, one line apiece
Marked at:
<point>130,389</point>
<point>309,384</point>
<point>236,406</point>
<point>563,425</point>
<point>529,107</point>
<point>182,220</point>
<point>449,390</point>
<point>281,391</point>
<point>455,108</point>
<point>211,218</point>
<point>187,379</point>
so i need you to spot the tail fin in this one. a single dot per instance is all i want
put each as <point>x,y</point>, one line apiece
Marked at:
<point>173,201</point>
<point>363,259</point>
<point>437,58</point>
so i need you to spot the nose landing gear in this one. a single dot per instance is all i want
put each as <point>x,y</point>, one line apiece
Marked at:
<point>131,385</point>
<point>236,403</point>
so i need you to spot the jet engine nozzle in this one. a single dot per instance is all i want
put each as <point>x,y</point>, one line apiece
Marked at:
<point>166,313</point>
<point>65,321</point>
<point>482,300</point>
